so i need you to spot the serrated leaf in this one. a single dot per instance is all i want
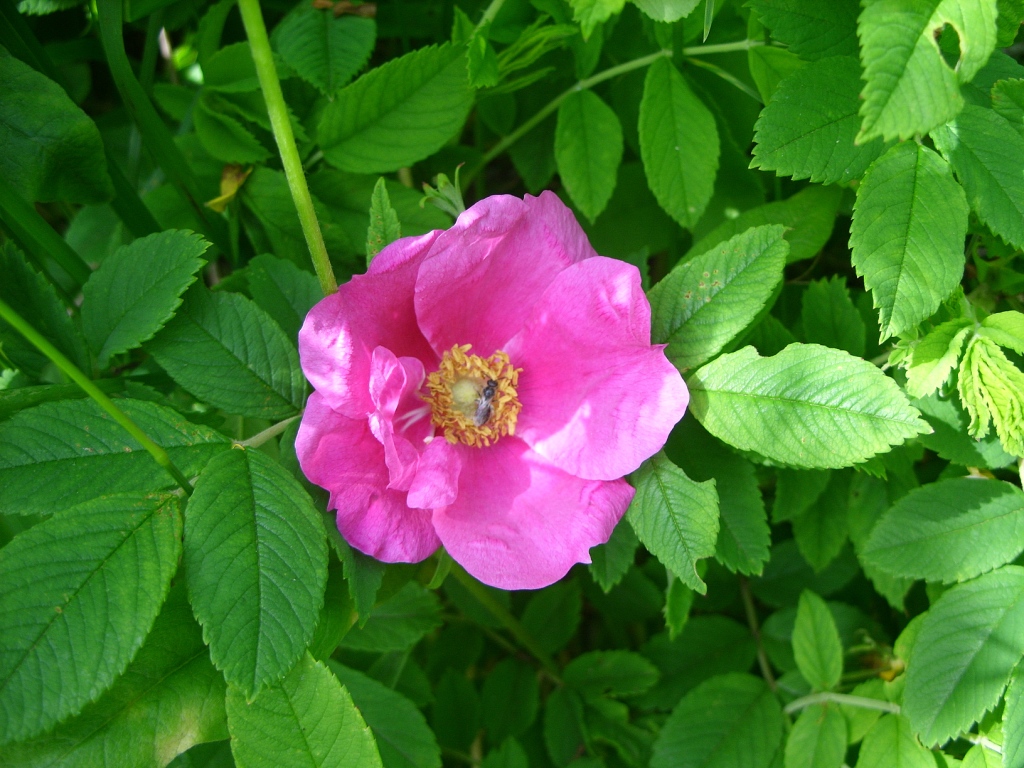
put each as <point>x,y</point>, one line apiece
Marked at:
<point>324,49</point>
<point>968,644</point>
<point>610,561</point>
<point>667,10</point>
<point>891,742</point>
<point>397,623</point>
<point>808,406</point>
<point>935,356</point>
<point>398,113</point>
<point>1008,101</point>
<point>909,89</point>
<point>307,719</point>
<point>168,699</point>
<point>283,291</point>
<point>384,227</point>
<point>727,721</point>
<point>78,594</point>
<point>1013,721</point>
<point>553,615</point>
<point>52,150</point>
<point>907,236</point>
<point>830,318</point>
<point>678,144</point>
<point>509,699</point>
<point>588,150</point>
<point>821,531</point>
<point>256,561</point>
<point>987,155</point>
<point>227,351</point>
<point>62,453</point>
<point>1006,329</point>
<point>796,490</point>
<point>614,673</point>
<point>707,301</point>
<point>564,726</point>
<point>980,756</point>
<point>810,29</point>
<point>949,530</point>
<point>136,290</point>
<point>818,738</point>
<point>807,131</point>
<point>590,13</point>
<point>675,518</point>
<point>950,439</point>
<point>231,69</point>
<point>224,137</point>
<point>769,66</point>
<point>816,646</point>
<point>992,391</point>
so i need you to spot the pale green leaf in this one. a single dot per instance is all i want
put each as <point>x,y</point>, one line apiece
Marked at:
<point>907,235</point>
<point>909,87</point>
<point>590,13</point>
<point>256,561</point>
<point>769,66</point>
<point>807,131</point>
<point>66,452</point>
<point>1013,721</point>
<point>968,644</point>
<point>992,391</point>
<point>137,289</point>
<point>78,594</point>
<point>323,48</point>
<point>891,742</point>
<point>667,10</point>
<point>816,646</point>
<point>950,439</point>
<point>588,150</point>
<point>384,227</point>
<point>808,406</point>
<point>307,719</point>
<point>987,155</point>
<point>675,518</point>
<point>705,302</point>
<point>812,29</point>
<point>678,144</point>
<point>830,318</point>
<point>934,357</point>
<point>1008,101</point>
<point>949,530</point>
<point>818,738</point>
<point>980,756</point>
<point>398,113</point>
<point>1006,329</point>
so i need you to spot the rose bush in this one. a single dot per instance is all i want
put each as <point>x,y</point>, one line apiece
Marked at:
<point>486,388</point>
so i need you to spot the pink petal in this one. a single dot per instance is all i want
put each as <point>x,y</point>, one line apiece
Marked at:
<point>437,476</point>
<point>485,273</point>
<point>342,455</point>
<point>597,398</point>
<point>394,384</point>
<point>521,523</point>
<point>371,310</point>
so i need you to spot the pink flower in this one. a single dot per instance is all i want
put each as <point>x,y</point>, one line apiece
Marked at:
<point>486,389</point>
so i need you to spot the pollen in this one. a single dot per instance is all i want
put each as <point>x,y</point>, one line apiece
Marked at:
<point>473,399</point>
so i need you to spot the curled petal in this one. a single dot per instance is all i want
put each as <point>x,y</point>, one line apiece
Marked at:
<point>342,455</point>
<point>597,398</point>
<point>521,523</point>
<point>437,476</point>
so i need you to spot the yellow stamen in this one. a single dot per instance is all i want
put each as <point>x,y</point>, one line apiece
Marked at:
<point>473,399</point>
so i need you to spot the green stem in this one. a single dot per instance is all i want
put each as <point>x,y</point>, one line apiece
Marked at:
<point>755,630</point>
<point>37,237</point>
<point>827,697</point>
<point>510,622</point>
<point>268,434</point>
<point>93,391</point>
<point>490,13</point>
<point>256,31</point>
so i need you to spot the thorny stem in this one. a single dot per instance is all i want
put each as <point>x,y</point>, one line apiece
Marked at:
<point>72,372</point>
<point>826,697</point>
<point>267,434</point>
<point>510,622</point>
<point>755,630</point>
<point>256,31</point>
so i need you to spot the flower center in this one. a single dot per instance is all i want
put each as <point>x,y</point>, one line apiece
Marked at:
<point>473,399</point>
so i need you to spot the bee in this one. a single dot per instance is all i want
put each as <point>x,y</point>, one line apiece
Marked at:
<point>483,403</point>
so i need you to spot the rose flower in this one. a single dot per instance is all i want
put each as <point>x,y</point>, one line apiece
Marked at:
<point>486,388</point>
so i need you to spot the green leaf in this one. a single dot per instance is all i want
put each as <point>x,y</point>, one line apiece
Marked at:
<point>793,407</point>
<point>78,594</point>
<point>830,318</point>
<point>588,150</point>
<point>1006,329</point>
<point>667,10</point>
<point>610,561</point>
<point>810,29</point>
<point>969,642</point>
<point>137,289</point>
<point>397,623</point>
<point>553,615</point>
<point>226,351</point>
<point>590,13</point>
<point>707,301</point>
<point>62,453</point>
<point>935,356</point>
<point>980,756</point>
<point>324,49</point>
<point>456,711</point>
<point>821,531</point>
<point>949,530</point>
<point>909,87</point>
<point>678,144</point>
<point>675,518</point>
<point>796,490</point>
<point>818,738</point>
<point>787,574</point>
<point>256,561</point>
<point>509,700</point>
<point>399,728</point>
<point>816,645</point>
<point>52,150</point>
<point>808,128</point>
<point>224,137</point>
<point>891,742</point>
<point>168,699</point>
<point>384,228</point>
<point>808,216</point>
<point>398,113</point>
<point>992,391</point>
<point>987,155</point>
<point>231,69</point>
<point>1013,721</point>
<point>769,66</point>
<point>283,291</point>
<point>1008,101</point>
<point>307,719</point>
<point>610,673</point>
<point>950,439</point>
<point>727,721</point>
<point>565,733</point>
<point>907,236</point>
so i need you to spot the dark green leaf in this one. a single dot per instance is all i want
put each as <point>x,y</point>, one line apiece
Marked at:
<point>830,318</point>
<point>224,137</point>
<point>950,439</point>
<point>397,623</point>
<point>510,699</point>
<point>820,531</point>
<point>816,646</point>
<point>323,48</point>
<point>384,227</point>
<point>810,29</point>
<point>615,673</point>
<point>283,291</point>
<point>611,560</point>
<point>553,615</point>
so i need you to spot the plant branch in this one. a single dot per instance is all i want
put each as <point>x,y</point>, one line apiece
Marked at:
<point>267,434</point>
<point>755,630</point>
<point>90,388</point>
<point>37,237</point>
<point>827,697</point>
<point>256,31</point>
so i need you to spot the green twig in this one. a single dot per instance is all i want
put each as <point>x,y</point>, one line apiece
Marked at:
<point>827,697</point>
<point>490,13</point>
<point>267,434</point>
<point>90,388</point>
<point>36,236</point>
<point>256,31</point>
<point>755,630</point>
